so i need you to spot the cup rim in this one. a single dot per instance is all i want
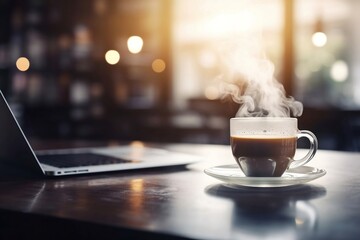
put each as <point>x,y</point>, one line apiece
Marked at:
<point>264,119</point>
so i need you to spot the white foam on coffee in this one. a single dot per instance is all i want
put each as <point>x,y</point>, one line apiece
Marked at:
<point>267,127</point>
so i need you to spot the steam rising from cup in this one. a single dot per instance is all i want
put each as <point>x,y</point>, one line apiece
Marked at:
<point>248,77</point>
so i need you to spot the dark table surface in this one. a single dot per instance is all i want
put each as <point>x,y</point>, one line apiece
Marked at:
<point>184,203</point>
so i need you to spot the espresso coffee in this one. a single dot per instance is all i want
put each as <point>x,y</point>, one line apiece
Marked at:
<point>263,156</point>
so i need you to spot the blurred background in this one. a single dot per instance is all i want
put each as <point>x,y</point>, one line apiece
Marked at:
<point>148,69</point>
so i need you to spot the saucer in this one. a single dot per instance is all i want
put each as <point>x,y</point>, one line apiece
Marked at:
<point>234,177</point>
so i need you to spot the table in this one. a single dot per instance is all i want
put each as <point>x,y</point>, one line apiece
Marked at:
<point>184,203</point>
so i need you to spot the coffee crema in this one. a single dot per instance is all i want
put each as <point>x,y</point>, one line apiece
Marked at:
<point>263,156</point>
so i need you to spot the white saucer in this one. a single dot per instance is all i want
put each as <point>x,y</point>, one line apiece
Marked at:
<point>234,177</point>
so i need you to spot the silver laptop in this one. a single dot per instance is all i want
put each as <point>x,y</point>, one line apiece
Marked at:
<point>15,151</point>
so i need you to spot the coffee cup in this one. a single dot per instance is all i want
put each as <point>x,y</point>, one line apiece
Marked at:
<point>266,146</point>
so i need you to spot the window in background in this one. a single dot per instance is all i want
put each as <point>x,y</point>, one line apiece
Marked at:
<point>327,53</point>
<point>327,70</point>
<point>202,29</point>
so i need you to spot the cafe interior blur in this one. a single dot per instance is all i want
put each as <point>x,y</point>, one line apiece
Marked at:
<point>148,70</point>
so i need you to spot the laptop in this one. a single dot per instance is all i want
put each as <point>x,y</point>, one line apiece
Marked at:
<point>16,151</point>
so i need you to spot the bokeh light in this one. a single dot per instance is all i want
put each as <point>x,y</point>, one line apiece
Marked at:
<point>212,93</point>
<point>112,57</point>
<point>339,71</point>
<point>23,64</point>
<point>319,39</point>
<point>158,65</point>
<point>135,44</point>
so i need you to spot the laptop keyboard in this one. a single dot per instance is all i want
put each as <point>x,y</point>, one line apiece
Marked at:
<point>79,159</point>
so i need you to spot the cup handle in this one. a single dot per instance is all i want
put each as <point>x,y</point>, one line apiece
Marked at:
<point>313,148</point>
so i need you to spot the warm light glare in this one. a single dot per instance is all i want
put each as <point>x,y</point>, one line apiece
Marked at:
<point>211,93</point>
<point>319,39</point>
<point>23,64</point>
<point>137,185</point>
<point>136,198</point>
<point>339,71</point>
<point>158,65</point>
<point>112,57</point>
<point>137,144</point>
<point>135,44</point>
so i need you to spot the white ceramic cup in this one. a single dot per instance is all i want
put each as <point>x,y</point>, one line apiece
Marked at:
<point>266,146</point>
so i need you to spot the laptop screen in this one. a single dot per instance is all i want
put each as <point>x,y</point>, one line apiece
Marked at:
<point>14,147</point>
